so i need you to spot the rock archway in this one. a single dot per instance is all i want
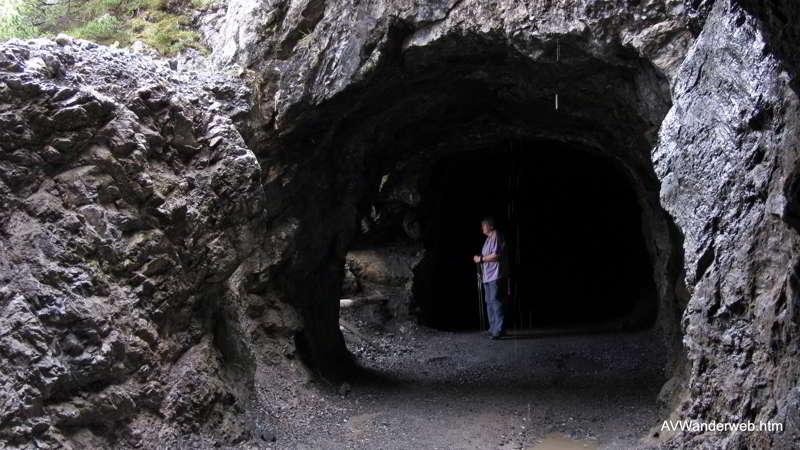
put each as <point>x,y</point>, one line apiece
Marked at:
<point>360,162</point>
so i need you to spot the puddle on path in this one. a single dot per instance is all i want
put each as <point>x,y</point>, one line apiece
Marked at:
<point>559,441</point>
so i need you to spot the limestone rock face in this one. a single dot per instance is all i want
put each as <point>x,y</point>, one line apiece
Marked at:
<point>166,237</point>
<point>310,50</point>
<point>728,160</point>
<point>130,213</point>
<point>386,272</point>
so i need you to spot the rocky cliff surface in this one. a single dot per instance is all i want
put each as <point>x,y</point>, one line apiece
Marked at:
<point>727,160</point>
<point>131,211</point>
<point>168,237</point>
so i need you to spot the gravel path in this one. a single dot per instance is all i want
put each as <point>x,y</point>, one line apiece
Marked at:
<point>427,389</point>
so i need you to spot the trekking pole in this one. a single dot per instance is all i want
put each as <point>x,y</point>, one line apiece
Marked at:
<point>480,297</point>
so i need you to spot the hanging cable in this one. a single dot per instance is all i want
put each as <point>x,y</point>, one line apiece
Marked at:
<point>558,49</point>
<point>558,57</point>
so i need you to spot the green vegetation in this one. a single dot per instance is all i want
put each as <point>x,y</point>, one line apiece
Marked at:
<point>161,24</point>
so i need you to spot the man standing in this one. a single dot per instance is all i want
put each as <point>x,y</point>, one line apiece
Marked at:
<point>494,272</point>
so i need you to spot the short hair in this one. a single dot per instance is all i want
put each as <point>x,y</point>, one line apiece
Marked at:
<point>489,220</point>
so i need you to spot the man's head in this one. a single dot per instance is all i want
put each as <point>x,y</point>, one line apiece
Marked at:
<point>487,225</point>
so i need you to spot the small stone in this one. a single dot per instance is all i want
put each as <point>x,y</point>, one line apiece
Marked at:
<point>268,436</point>
<point>63,39</point>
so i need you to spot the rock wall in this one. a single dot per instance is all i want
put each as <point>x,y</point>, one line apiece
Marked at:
<point>728,160</point>
<point>387,273</point>
<point>131,224</point>
<point>307,51</point>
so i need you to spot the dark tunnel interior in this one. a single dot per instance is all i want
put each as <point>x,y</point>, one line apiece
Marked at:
<point>573,229</point>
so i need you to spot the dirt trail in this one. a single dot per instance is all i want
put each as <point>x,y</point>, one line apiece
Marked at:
<point>441,390</point>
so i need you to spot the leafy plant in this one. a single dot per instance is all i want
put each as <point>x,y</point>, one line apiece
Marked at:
<point>16,20</point>
<point>104,21</point>
<point>103,28</point>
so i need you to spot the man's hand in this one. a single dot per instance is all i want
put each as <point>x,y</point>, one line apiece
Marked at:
<point>476,259</point>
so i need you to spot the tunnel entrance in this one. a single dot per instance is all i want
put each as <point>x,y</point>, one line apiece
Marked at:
<point>388,201</point>
<point>573,227</point>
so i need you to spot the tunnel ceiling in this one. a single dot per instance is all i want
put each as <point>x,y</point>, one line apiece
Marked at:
<point>456,94</point>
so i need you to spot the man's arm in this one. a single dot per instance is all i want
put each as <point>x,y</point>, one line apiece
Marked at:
<point>486,258</point>
<point>490,258</point>
<point>497,251</point>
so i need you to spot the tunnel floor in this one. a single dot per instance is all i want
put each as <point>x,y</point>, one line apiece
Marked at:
<point>424,388</point>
